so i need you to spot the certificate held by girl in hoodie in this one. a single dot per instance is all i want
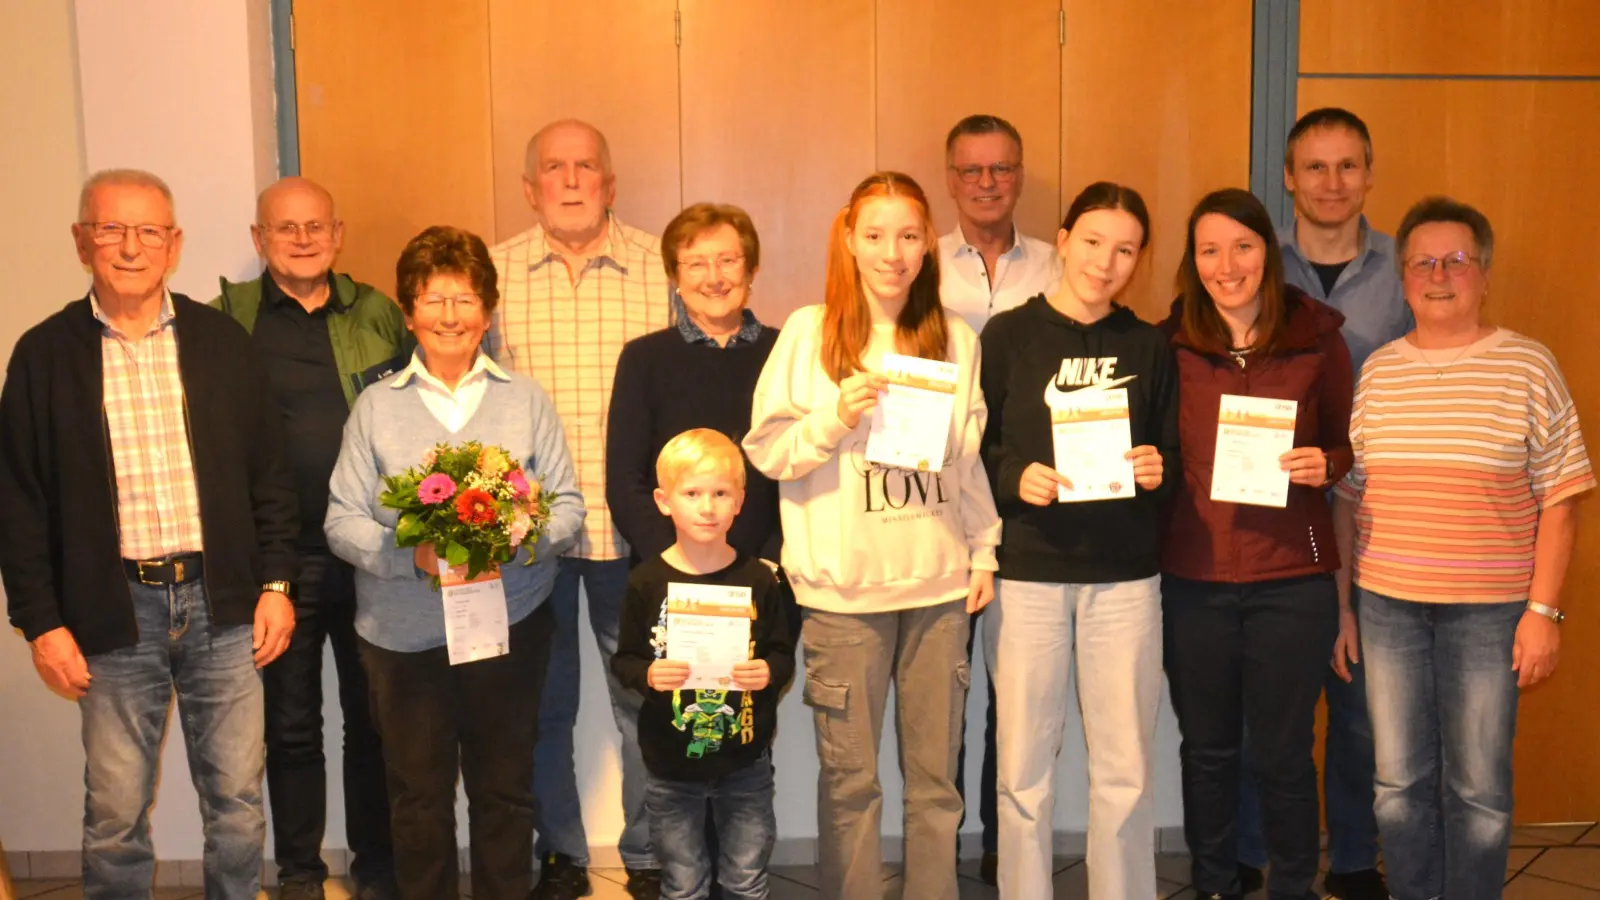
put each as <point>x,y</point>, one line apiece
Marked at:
<point>1092,437</point>
<point>911,423</point>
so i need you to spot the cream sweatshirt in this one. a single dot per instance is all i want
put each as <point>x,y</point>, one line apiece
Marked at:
<point>859,537</point>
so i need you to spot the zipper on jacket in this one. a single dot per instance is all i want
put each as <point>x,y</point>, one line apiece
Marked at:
<point>199,497</point>
<point>116,513</point>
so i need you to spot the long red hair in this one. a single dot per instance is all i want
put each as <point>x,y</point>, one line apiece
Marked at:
<point>920,329</point>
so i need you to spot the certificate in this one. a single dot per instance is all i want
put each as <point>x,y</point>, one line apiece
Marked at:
<point>475,620</point>
<point>708,627</point>
<point>1092,438</point>
<point>911,423</point>
<point>1252,432</point>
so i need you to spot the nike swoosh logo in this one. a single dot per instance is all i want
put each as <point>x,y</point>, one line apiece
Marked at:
<point>1054,396</point>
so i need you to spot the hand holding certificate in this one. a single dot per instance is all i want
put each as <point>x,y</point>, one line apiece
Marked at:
<point>1252,434</point>
<point>911,422</point>
<point>708,627</point>
<point>1092,440</point>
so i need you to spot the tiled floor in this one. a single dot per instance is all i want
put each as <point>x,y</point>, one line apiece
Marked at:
<point>1559,862</point>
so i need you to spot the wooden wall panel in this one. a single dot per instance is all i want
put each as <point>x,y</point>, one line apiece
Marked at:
<point>1156,95</point>
<point>1451,37</point>
<point>1521,152</point>
<point>394,120</point>
<point>931,73</point>
<point>612,63</point>
<point>784,134</point>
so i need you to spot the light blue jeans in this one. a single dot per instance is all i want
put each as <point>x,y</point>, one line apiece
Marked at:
<point>747,829</point>
<point>222,714</point>
<point>1443,700</point>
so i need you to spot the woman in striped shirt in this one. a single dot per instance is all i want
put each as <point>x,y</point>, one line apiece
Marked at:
<point>1461,511</point>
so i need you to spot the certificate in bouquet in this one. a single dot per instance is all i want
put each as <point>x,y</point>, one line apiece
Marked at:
<point>1092,438</point>
<point>911,423</point>
<point>475,619</point>
<point>1252,432</point>
<point>708,627</point>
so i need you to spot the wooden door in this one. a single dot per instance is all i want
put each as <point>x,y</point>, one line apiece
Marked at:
<point>777,101</point>
<point>932,73</point>
<point>394,108</point>
<point>1156,95</point>
<point>1522,151</point>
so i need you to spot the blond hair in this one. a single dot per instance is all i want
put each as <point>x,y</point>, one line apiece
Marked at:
<point>699,450</point>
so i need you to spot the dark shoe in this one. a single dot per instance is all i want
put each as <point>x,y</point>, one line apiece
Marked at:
<point>989,869</point>
<point>644,884</point>
<point>1251,879</point>
<point>300,889</point>
<point>561,879</point>
<point>1366,884</point>
<point>377,890</point>
<point>1207,895</point>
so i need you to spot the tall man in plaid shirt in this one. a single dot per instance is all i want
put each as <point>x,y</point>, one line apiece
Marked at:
<point>147,533</point>
<point>574,289</point>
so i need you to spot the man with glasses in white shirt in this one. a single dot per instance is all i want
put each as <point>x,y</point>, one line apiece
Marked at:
<point>987,266</point>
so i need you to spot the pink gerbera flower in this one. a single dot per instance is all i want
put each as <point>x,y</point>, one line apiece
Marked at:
<point>518,482</point>
<point>436,488</point>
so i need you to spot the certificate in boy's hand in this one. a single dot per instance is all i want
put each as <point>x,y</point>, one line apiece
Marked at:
<point>911,423</point>
<point>708,627</point>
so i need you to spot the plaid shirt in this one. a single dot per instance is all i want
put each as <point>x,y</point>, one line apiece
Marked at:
<point>158,505</point>
<point>566,333</point>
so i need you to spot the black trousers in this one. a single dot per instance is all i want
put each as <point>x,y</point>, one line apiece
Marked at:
<point>1249,656</point>
<point>481,718</point>
<point>297,776</point>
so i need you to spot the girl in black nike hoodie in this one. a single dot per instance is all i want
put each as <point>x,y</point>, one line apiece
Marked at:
<point>1081,575</point>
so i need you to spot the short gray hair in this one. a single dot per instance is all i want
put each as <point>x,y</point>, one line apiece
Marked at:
<point>132,177</point>
<point>531,157</point>
<point>1443,209</point>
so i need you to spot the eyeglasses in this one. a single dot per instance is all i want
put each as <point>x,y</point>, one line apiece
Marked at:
<point>1454,264</point>
<point>289,232</point>
<point>1001,172</point>
<point>434,302</point>
<point>698,268</point>
<point>104,234</point>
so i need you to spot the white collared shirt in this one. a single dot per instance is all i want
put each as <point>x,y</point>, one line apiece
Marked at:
<point>1030,267</point>
<point>453,409</point>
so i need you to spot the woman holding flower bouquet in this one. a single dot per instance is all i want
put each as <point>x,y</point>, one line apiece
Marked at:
<point>454,459</point>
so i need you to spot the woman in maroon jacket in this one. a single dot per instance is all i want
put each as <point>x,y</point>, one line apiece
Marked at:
<point>1248,596</point>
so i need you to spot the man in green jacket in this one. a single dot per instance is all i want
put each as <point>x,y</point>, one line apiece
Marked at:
<point>323,337</point>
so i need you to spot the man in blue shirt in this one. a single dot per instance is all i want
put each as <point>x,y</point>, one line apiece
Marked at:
<point>1333,254</point>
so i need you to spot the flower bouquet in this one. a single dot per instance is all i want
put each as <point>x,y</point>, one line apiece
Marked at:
<point>473,503</point>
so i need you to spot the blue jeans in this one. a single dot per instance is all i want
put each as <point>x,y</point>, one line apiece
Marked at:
<point>1347,774</point>
<point>1444,712</point>
<point>555,780</point>
<point>747,828</point>
<point>222,714</point>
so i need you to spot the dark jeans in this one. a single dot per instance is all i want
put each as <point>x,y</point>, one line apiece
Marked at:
<point>741,804</point>
<point>986,785</point>
<point>297,777</point>
<point>1249,656</point>
<point>1348,770</point>
<point>482,718</point>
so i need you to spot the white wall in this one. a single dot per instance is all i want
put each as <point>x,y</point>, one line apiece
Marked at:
<point>183,88</point>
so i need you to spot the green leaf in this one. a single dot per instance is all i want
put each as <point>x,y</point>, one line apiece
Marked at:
<point>456,555</point>
<point>408,532</point>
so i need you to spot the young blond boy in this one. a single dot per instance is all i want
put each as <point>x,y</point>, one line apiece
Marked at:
<point>709,743</point>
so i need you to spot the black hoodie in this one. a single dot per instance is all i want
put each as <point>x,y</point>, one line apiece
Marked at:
<point>1029,348</point>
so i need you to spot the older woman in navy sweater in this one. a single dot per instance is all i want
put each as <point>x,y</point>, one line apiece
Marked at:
<point>434,718</point>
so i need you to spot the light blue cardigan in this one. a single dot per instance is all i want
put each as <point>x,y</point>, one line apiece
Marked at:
<point>389,430</point>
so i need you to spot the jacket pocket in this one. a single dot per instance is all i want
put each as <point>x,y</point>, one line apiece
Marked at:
<point>838,740</point>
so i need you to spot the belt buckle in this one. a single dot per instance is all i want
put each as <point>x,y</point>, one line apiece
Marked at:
<point>153,564</point>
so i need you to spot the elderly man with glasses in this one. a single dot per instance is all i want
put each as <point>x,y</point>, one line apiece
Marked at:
<point>323,337</point>
<point>147,538</point>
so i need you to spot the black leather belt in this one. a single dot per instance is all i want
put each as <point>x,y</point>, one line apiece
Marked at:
<point>179,568</point>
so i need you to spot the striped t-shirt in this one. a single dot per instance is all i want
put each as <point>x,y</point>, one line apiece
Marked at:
<point>1455,459</point>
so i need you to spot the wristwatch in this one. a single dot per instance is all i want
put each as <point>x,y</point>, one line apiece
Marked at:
<point>281,587</point>
<point>1549,612</point>
<point>1327,474</point>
